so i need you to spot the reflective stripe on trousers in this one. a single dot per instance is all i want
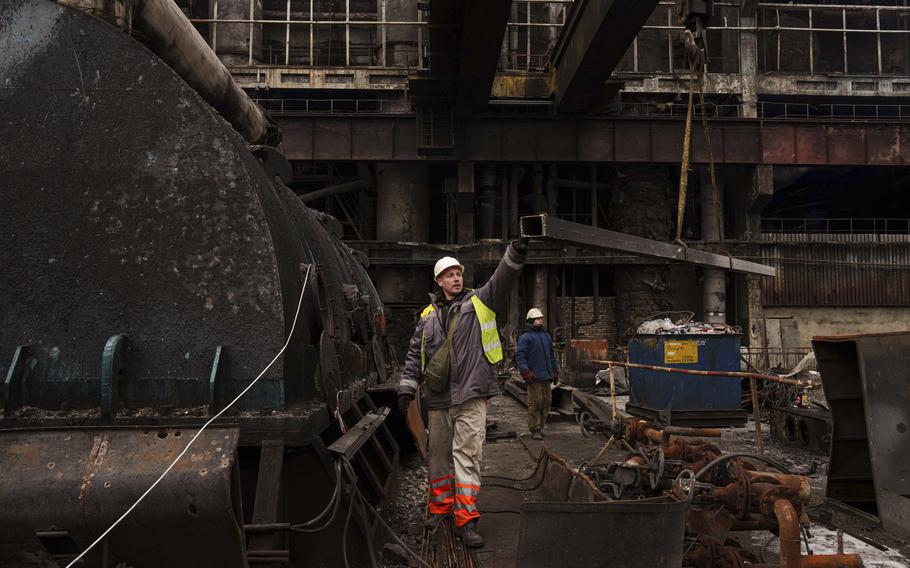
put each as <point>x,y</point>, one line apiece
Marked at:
<point>465,503</point>
<point>441,499</point>
<point>455,454</point>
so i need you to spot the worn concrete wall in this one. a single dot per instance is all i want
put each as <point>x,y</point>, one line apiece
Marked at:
<point>810,322</point>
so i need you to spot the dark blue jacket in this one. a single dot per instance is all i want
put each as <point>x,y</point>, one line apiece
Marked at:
<point>535,353</point>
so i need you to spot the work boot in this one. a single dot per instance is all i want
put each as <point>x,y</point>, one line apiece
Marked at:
<point>469,535</point>
<point>536,434</point>
<point>433,521</point>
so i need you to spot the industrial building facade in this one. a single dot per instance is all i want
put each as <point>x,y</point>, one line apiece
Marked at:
<point>393,128</point>
<point>221,220</point>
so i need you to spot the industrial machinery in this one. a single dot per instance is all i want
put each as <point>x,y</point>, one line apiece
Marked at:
<point>725,492</point>
<point>154,263</point>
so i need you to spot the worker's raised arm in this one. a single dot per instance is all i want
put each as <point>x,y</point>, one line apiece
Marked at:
<point>495,293</point>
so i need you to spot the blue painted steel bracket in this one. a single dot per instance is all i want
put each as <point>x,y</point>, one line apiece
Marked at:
<point>213,379</point>
<point>111,370</point>
<point>14,383</point>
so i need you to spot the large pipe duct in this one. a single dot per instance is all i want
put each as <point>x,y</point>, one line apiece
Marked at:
<point>167,32</point>
<point>163,28</point>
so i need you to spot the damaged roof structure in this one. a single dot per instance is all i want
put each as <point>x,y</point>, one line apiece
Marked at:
<point>219,219</point>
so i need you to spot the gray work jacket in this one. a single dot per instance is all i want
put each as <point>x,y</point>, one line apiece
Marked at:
<point>471,374</point>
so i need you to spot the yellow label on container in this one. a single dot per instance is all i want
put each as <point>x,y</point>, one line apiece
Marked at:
<point>680,352</point>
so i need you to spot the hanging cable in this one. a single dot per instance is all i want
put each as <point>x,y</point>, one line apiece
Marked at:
<point>204,426</point>
<point>353,481</point>
<point>714,197</point>
<point>333,504</point>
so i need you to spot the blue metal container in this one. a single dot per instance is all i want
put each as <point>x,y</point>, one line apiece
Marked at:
<point>686,400</point>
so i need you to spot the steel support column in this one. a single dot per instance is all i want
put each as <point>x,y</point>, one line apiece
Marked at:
<point>465,203</point>
<point>714,283</point>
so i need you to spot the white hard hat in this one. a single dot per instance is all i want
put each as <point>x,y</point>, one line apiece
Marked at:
<point>534,313</point>
<point>444,263</point>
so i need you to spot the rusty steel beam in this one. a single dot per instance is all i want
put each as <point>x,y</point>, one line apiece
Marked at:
<point>601,139</point>
<point>596,36</point>
<point>481,40</point>
<point>547,227</point>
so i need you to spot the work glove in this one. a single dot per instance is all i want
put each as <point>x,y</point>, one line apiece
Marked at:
<point>527,375</point>
<point>520,246</point>
<point>404,401</point>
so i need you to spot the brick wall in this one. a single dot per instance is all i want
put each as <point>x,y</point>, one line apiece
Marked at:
<point>603,328</point>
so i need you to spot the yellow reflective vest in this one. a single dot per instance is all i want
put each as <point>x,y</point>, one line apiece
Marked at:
<point>489,335</point>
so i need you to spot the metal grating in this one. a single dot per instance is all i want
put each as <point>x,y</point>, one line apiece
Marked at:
<point>435,130</point>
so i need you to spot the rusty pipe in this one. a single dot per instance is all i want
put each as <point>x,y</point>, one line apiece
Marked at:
<point>831,561</point>
<point>645,430</point>
<point>767,486</point>
<point>788,527</point>
<point>739,374</point>
<point>693,432</point>
<point>790,555</point>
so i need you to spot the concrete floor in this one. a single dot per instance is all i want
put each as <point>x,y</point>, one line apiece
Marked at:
<point>516,458</point>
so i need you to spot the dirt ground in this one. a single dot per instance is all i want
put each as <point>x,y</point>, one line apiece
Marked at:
<point>516,457</point>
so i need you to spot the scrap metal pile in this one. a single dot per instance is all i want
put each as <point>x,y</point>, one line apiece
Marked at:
<point>726,492</point>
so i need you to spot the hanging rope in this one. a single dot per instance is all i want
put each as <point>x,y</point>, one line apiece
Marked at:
<point>684,165</point>
<point>696,73</point>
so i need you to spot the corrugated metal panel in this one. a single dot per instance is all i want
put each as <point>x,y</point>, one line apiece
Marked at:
<point>837,275</point>
<point>847,238</point>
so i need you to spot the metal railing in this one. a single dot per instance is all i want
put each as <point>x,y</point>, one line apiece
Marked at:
<point>292,36</point>
<point>678,109</point>
<point>536,62</point>
<point>341,106</point>
<point>774,110</point>
<point>862,112</point>
<point>783,358</point>
<point>826,44</point>
<point>859,43</point>
<point>870,40</point>
<point>846,226</point>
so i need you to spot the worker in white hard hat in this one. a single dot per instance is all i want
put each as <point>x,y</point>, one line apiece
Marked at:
<point>452,358</point>
<point>536,361</point>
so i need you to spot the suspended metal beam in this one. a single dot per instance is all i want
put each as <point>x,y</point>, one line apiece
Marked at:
<point>593,41</point>
<point>547,227</point>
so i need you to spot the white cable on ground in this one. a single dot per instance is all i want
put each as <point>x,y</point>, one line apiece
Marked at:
<point>204,426</point>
